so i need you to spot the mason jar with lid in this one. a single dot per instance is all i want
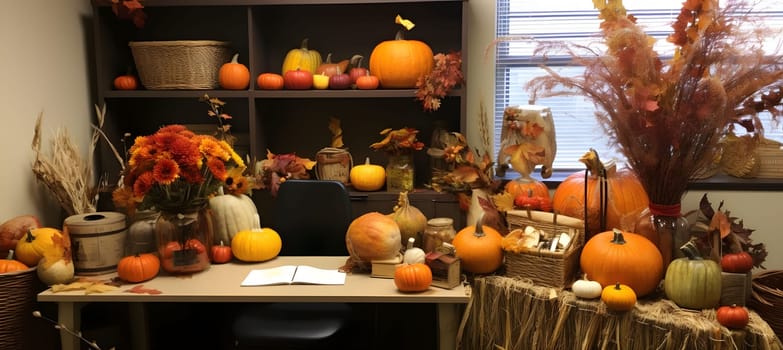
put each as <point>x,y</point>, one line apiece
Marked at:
<point>438,230</point>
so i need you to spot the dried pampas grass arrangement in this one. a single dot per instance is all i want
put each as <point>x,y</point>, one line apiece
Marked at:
<point>68,176</point>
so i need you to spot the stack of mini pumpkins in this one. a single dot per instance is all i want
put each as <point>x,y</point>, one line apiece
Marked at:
<point>26,244</point>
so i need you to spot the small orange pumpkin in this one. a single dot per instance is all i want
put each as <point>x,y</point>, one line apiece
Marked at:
<point>10,265</point>
<point>528,187</point>
<point>618,297</point>
<point>732,317</point>
<point>270,81</point>
<point>413,277</point>
<point>221,253</point>
<point>126,82</point>
<point>399,63</point>
<point>234,75</point>
<point>479,248</point>
<point>138,268</point>
<point>615,256</point>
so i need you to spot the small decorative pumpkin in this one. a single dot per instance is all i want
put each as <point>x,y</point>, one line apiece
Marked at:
<point>330,69</point>
<point>736,262</point>
<point>256,245</point>
<point>479,248</point>
<point>357,71</point>
<point>732,317</point>
<point>340,81</point>
<point>399,63</point>
<point>586,289</point>
<point>297,80</point>
<point>625,257</point>
<point>232,213</point>
<point>221,253</point>
<point>619,297</point>
<point>126,82</point>
<point>692,282</point>
<point>372,236</point>
<point>301,59</point>
<point>528,187</point>
<point>368,177</point>
<point>10,265</point>
<point>60,271</point>
<point>367,82</point>
<point>412,254</point>
<point>35,244</point>
<point>625,196</point>
<point>270,81</point>
<point>413,277</point>
<point>138,268</point>
<point>410,219</point>
<point>234,75</point>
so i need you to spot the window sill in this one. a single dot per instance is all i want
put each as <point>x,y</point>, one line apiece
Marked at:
<point>720,182</point>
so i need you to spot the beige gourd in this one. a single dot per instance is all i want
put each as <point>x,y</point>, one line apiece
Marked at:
<point>232,213</point>
<point>409,218</point>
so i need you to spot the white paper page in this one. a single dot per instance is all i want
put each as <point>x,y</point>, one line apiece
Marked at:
<point>313,275</point>
<point>270,276</point>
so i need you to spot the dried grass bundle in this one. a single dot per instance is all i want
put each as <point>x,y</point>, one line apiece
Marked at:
<point>65,173</point>
<point>667,117</point>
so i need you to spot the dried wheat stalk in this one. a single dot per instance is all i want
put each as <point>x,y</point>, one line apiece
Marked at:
<point>65,173</point>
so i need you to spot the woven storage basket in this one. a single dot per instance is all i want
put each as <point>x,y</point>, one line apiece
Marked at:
<point>770,157</point>
<point>17,295</point>
<point>186,65</point>
<point>557,269</point>
<point>767,298</point>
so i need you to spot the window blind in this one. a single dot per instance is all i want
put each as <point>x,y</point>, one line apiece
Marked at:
<point>577,21</point>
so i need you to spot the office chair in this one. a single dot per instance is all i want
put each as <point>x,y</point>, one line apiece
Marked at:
<point>311,217</point>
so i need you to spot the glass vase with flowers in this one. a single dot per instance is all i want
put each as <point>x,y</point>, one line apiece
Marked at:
<point>399,145</point>
<point>176,171</point>
<point>667,116</point>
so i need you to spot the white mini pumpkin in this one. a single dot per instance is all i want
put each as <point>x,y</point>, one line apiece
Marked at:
<point>412,254</point>
<point>586,289</point>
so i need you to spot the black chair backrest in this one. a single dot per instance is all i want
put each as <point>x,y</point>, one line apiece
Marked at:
<point>312,217</point>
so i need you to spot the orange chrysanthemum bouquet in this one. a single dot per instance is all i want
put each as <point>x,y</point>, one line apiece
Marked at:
<point>176,168</point>
<point>667,116</point>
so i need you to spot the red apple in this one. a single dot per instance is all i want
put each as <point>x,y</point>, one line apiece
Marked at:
<point>340,81</point>
<point>298,80</point>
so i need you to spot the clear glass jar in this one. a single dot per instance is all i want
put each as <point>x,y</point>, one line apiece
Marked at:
<point>399,173</point>
<point>184,239</point>
<point>438,231</point>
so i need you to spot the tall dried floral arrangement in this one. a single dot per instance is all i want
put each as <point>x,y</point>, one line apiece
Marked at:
<point>667,116</point>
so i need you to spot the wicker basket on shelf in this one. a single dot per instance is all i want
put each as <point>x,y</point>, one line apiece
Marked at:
<point>767,298</point>
<point>559,268</point>
<point>18,295</point>
<point>181,64</point>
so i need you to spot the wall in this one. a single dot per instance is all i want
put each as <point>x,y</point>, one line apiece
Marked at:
<point>758,209</point>
<point>44,68</point>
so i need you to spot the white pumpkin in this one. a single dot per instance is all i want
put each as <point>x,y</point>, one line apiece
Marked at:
<point>586,289</point>
<point>58,272</point>
<point>232,214</point>
<point>412,254</point>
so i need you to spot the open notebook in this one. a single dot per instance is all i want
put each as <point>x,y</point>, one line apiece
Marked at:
<point>293,274</point>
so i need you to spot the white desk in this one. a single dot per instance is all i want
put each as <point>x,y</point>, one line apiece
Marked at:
<point>220,283</point>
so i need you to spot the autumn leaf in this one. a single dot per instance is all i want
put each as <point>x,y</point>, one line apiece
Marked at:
<point>720,223</point>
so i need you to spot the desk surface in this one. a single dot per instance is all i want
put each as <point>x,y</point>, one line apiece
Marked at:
<point>220,283</point>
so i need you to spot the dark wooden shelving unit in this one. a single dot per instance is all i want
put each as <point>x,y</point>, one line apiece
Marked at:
<point>286,121</point>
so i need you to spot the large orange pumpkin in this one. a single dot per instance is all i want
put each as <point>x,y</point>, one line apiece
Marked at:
<point>625,198</point>
<point>623,257</point>
<point>373,236</point>
<point>479,248</point>
<point>399,63</point>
